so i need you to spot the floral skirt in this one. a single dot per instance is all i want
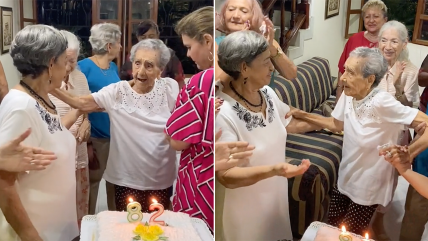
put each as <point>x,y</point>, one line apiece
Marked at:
<point>82,193</point>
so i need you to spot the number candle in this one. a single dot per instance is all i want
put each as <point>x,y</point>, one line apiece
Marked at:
<point>153,206</point>
<point>344,236</point>
<point>134,211</point>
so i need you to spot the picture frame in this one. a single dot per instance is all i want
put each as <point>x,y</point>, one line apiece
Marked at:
<point>6,29</point>
<point>332,8</point>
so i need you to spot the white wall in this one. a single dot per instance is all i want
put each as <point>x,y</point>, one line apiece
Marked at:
<point>12,74</point>
<point>328,36</point>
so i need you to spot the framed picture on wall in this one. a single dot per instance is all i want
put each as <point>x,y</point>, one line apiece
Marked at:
<point>6,28</point>
<point>332,8</point>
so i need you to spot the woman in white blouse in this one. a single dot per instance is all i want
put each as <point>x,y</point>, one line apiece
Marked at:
<point>76,84</point>
<point>141,164</point>
<point>256,193</point>
<point>369,117</point>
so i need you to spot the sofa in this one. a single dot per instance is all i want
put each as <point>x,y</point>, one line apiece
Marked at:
<point>309,194</point>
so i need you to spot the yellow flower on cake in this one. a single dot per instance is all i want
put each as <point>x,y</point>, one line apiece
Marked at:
<point>149,236</point>
<point>140,229</point>
<point>156,230</point>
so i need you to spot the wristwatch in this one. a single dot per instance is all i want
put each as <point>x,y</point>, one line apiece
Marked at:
<point>278,53</point>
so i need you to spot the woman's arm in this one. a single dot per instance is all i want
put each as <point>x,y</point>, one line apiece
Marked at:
<point>315,121</point>
<point>237,177</point>
<point>282,63</point>
<point>177,145</point>
<point>70,118</point>
<point>418,181</point>
<point>13,210</point>
<point>300,126</point>
<point>84,103</point>
<point>422,142</point>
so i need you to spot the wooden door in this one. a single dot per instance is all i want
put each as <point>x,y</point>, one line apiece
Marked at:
<point>354,20</point>
<point>109,11</point>
<point>27,13</point>
<point>138,10</point>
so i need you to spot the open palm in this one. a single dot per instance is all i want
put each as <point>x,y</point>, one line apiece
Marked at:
<point>15,157</point>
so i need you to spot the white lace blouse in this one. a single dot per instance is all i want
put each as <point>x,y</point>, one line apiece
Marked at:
<point>140,156</point>
<point>364,176</point>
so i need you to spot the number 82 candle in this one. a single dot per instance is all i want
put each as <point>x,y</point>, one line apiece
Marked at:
<point>344,236</point>
<point>134,211</point>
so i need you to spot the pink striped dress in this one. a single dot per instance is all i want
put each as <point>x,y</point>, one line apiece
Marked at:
<point>192,121</point>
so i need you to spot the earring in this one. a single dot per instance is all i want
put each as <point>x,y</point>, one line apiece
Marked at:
<point>50,80</point>
<point>212,56</point>
<point>245,80</point>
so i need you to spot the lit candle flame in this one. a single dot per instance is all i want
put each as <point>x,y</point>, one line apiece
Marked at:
<point>343,229</point>
<point>154,200</point>
<point>131,200</point>
<point>367,236</point>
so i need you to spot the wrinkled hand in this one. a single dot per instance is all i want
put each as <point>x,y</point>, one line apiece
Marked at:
<point>296,113</point>
<point>218,25</point>
<point>218,103</point>
<point>15,157</point>
<point>231,154</point>
<point>398,156</point>
<point>289,170</point>
<point>84,131</point>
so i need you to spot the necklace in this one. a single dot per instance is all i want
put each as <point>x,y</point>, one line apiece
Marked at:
<point>32,92</point>
<point>104,72</point>
<point>245,100</point>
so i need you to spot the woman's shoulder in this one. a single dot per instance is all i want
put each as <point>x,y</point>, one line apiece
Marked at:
<point>202,79</point>
<point>411,68</point>
<point>16,101</point>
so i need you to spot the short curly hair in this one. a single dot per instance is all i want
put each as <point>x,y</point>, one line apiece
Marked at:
<point>34,47</point>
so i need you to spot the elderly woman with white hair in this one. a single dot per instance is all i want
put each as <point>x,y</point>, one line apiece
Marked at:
<point>366,114</point>
<point>141,164</point>
<point>75,83</point>
<point>101,71</point>
<point>253,113</point>
<point>39,205</point>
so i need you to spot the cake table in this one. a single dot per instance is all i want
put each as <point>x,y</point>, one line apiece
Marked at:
<point>89,229</point>
<point>312,230</point>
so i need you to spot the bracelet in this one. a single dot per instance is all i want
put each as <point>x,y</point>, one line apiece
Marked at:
<point>278,53</point>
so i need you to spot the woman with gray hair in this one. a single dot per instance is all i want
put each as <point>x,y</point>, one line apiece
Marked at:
<point>140,168</point>
<point>253,113</point>
<point>42,206</point>
<point>100,72</point>
<point>75,83</point>
<point>401,79</point>
<point>366,114</point>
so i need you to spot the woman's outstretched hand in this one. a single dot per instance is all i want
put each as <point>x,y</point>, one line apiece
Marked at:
<point>289,170</point>
<point>231,154</point>
<point>15,157</point>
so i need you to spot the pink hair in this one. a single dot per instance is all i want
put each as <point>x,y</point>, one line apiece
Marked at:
<point>255,23</point>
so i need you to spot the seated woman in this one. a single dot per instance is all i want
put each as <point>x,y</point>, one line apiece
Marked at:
<point>42,206</point>
<point>367,115</point>
<point>375,15</point>
<point>75,83</point>
<point>140,168</point>
<point>252,112</point>
<point>237,15</point>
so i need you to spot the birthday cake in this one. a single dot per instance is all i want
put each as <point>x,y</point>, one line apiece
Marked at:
<point>114,226</point>
<point>328,233</point>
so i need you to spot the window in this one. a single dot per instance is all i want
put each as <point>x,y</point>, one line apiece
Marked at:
<point>420,35</point>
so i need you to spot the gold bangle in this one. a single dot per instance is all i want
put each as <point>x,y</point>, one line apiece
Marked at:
<point>278,53</point>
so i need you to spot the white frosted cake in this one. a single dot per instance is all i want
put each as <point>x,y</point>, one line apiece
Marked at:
<point>114,226</point>
<point>327,233</point>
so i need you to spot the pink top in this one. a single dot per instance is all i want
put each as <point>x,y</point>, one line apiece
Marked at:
<point>77,85</point>
<point>355,41</point>
<point>192,121</point>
